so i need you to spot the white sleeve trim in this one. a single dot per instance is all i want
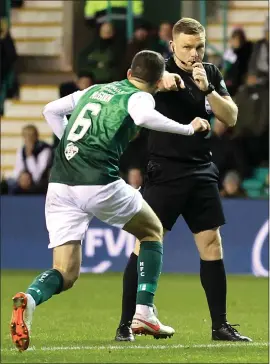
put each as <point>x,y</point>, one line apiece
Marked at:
<point>55,112</point>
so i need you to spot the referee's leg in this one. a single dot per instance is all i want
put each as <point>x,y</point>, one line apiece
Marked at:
<point>204,216</point>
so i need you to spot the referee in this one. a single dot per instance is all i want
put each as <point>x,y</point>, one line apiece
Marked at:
<point>181,178</point>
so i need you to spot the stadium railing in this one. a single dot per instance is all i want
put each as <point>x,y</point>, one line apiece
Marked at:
<point>203,21</point>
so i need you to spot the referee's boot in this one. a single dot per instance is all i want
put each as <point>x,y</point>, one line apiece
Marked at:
<point>227,332</point>
<point>124,333</point>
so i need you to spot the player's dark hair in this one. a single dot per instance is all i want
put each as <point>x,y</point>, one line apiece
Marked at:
<point>188,26</point>
<point>148,66</point>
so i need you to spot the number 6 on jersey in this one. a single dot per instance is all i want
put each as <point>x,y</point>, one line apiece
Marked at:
<point>83,122</point>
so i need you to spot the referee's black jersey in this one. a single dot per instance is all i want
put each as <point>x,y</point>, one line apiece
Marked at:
<point>183,106</point>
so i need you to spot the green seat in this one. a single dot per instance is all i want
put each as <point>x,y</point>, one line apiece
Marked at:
<point>252,184</point>
<point>261,174</point>
<point>253,193</point>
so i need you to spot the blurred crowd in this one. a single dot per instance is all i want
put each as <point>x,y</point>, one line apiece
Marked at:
<point>9,87</point>
<point>241,153</point>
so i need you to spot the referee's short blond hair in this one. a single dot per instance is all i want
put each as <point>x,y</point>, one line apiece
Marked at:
<point>188,26</point>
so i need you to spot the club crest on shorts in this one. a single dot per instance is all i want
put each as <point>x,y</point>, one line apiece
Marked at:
<point>70,151</point>
<point>208,107</point>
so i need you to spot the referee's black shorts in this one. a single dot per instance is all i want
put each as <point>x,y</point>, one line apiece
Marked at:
<point>194,194</point>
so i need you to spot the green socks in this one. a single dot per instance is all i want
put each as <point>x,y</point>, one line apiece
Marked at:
<point>45,285</point>
<point>149,269</point>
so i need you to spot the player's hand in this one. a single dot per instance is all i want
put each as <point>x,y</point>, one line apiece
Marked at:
<point>200,77</point>
<point>200,124</point>
<point>171,82</point>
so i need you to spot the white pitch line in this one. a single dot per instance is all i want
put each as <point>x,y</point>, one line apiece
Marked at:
<point>144,347</point>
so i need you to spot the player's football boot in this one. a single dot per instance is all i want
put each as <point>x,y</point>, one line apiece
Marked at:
<point>124,333</point>
<point>150,325</point>
<point>227,332</point>
<point>22,315</point>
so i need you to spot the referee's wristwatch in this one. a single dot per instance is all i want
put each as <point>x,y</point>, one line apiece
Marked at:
<point>210,89</point>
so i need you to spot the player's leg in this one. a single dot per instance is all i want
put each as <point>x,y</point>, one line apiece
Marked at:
<point>204,215</point>
<point>66,225</point>
<point>62,276</point>
<point>146,226</point>
<point>166,202</point>
<point>120,205</point>
<point>130,284</point>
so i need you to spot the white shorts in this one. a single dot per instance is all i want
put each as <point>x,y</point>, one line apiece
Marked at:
<point>69,209</point>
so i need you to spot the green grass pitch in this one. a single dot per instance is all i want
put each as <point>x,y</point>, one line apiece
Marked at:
<point>78,326</point>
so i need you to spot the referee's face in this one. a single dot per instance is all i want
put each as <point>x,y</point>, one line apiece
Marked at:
<point>188,49</point>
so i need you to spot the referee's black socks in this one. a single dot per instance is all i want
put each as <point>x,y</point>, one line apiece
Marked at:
<point>213,279</point>
<point>130,283</point>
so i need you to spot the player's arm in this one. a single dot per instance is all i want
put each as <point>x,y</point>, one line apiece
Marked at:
<point>55,112</point>
<point>220,101</point>
<point>141,108</point>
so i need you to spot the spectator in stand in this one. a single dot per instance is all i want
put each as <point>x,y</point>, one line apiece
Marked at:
<point>139,42</point>
<point>246,146</point>
<point>34,159</point>
<point>8,57</point>
<point>102,57</point>
<point>235,60</point>
<point>162,43</point>
<point>26,186</point>
<point>252,129</point>
<point>135,178</point>
<point>81,82</point>
<point>227,153</point>
<point>258,73</point>
<point>232,186</point>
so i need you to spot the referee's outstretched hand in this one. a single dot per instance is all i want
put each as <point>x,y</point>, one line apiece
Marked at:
<point>200,124</point>
<point>171,82</point>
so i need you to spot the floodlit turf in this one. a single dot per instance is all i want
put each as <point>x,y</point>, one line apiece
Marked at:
<point>79,326</point>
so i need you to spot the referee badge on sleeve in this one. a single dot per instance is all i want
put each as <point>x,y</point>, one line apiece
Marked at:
<point>208,107</point>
